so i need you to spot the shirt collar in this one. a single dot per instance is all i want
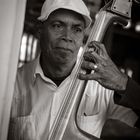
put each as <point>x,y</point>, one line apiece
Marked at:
<point>38,71</point>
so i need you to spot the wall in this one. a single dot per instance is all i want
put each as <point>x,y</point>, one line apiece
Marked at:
<point>11,24</point>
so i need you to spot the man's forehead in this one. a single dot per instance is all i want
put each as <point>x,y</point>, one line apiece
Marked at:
<point>66,13</point>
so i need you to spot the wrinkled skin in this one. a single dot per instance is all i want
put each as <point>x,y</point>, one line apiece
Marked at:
<point>61,37</point>
<point>105,71</point>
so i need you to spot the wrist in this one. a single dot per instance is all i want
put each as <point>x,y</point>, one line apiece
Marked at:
<point>123,81</point>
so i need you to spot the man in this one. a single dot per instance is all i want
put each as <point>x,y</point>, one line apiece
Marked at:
<point>41,85</point>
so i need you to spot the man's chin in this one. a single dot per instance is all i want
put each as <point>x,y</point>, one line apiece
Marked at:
<point>63,50</point>
<point>64,59</point>
<point>63,54</point>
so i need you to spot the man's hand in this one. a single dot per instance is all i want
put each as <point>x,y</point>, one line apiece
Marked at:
<point>102,68</point>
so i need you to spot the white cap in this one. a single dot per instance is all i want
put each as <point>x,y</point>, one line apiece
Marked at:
<point>75,5</point>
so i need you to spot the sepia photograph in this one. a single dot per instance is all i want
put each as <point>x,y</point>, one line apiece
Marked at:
<point>70,70</point>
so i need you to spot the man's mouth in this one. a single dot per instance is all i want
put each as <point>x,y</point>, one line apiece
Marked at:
<point>64,49</point>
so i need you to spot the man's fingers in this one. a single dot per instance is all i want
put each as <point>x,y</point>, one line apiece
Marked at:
<point>89,66</point>
<point>100,46</point>
<point>89,57</point>
<point>92,76</point>
<point>93,57</point>
<point>97,47</point>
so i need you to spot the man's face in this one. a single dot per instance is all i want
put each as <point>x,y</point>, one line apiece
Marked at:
<point>62,35</point>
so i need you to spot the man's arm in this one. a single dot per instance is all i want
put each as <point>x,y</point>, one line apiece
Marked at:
<point>127,91</point>
<point>117,130</point>
<point>109,76</point>
<point>130,97</point>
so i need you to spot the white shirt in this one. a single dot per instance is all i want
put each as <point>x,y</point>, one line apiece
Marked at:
<point>37,99</point>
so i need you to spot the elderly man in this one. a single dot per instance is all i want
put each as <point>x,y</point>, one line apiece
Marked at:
<point>41,85</point>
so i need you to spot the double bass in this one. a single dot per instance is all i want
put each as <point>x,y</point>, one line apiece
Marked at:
<point>65,126</point>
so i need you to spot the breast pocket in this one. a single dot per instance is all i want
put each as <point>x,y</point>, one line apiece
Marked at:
<point>89,106</point>
<point>92,124</point>
<point>90,115</point>
<point>22,128</point>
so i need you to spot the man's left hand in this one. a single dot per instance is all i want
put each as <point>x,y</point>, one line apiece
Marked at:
<point>102,68</point>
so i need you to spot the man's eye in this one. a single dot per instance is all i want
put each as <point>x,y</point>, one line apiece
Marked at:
<point>78,30</point>
<point>57,26</point>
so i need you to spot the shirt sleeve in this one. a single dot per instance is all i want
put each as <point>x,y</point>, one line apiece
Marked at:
<point>129,97</point>
<point>121,113</point>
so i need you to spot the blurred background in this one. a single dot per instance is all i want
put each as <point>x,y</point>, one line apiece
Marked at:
<point>122,44</point>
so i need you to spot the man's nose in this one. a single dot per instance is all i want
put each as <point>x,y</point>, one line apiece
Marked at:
<point>67,35</point>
